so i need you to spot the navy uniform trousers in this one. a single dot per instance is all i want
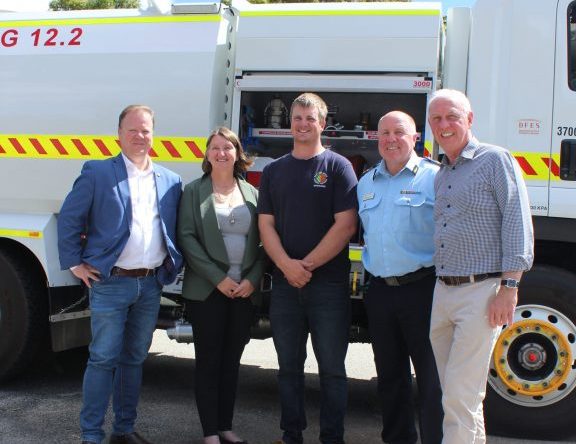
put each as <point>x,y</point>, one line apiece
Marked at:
<point>399,322</point>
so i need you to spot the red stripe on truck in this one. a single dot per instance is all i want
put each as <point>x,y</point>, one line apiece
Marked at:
<point>17,145</point>
<point>173,151</point>
<point>38,146</point>
<point>526,167</point>
<point>80,147</point>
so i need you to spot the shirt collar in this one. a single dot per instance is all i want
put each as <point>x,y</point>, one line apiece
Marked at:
<point>411,165</point>
<point>469,152</point>
<point>133,170</point>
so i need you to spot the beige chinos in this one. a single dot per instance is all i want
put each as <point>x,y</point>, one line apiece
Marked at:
<point>462,341</point>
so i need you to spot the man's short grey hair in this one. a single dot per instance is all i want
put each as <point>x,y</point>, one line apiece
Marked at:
<point>458,97</point>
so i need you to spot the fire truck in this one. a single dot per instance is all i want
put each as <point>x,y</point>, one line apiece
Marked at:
<point>65,76</point>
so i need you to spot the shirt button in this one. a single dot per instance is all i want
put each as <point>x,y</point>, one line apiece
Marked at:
<point>442,267</point>
<point>453,168</point>
<point>448,206</point>
<point>444,225</point>
<point>449,187</point>
<point>442,246</point>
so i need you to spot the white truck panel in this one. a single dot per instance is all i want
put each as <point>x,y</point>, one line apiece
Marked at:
<point>172,64</point>
<point>511,93</point>
<point>338,37</point>
<point>563,126</point>
<point>37,232</point>
<point>455,68</point>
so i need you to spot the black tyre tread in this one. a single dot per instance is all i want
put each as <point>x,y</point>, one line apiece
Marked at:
<point>556,288</point>
<point>34,327</point>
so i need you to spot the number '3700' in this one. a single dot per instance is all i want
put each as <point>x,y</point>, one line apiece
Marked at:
<point>42,37</point>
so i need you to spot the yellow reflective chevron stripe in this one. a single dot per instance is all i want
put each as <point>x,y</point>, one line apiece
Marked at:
<point>8,232</point>
<point>110,20</point>
<point>535,166</point>
<point>539,166</point>
<point>342,12</point>
<point>428,148</point>
<point>167,149</point>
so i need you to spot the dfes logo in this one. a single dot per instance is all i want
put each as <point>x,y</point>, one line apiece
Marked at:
<point>320,178</point>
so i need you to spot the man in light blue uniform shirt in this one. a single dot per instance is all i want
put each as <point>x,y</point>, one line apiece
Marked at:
<point>396,207</point>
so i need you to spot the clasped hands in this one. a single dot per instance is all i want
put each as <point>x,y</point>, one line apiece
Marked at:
<point>233,289</point>
<point>298,272</point>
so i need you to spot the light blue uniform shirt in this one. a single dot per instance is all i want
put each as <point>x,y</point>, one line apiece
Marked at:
<point>397,214</point>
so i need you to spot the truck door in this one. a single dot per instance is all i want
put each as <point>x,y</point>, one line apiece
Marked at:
<point>563,149</point>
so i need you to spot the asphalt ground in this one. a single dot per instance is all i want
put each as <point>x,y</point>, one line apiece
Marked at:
<point>43,406</point>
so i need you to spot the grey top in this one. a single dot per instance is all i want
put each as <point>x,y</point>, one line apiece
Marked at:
<point>234,224</point>
<point>482,214</point>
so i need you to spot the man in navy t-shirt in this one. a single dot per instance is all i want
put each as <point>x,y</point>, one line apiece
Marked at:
<point>307,215</point>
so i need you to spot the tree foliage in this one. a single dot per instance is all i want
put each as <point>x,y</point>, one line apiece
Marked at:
<point>68,5</point>
<point>321,1</point>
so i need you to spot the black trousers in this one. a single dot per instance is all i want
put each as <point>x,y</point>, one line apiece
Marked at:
<point>221,328</point>
<point>399,323</point>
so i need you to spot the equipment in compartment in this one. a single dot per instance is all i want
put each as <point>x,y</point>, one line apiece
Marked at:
<point>276,113</point>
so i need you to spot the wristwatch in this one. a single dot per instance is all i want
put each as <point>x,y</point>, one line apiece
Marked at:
<point>510,283</point>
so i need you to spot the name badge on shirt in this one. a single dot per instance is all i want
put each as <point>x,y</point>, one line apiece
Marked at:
<point>367,196</point>
<point>410,192</point>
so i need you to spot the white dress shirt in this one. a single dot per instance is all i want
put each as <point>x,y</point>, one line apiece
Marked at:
<point>145,247</point>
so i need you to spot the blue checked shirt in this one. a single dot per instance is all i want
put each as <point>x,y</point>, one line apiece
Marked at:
<point>397,214</point>
<point>482,214</point>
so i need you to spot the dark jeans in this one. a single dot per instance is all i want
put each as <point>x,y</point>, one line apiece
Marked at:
<point>321,308</point>
<point>399,322</point>
<point>221,328</point>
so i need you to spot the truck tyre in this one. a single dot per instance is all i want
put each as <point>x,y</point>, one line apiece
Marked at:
<point>23,313</point>
<point>532,380</point>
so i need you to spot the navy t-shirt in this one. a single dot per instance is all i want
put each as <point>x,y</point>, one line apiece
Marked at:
<point>303,196</point>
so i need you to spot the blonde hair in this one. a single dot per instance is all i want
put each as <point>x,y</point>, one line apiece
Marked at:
<point>311,100</point>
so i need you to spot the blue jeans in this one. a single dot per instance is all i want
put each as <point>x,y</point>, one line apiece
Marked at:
<point>124,312</point>
<point>321,308</point>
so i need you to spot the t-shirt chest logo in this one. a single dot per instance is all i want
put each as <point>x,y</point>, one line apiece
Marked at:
<point>320,179</point>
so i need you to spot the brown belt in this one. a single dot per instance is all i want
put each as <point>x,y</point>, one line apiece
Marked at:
<point>135,273</point>
<point>452,281</point>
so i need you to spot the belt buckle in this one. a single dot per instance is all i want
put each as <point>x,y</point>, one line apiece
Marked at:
<point>392,281</point>
<point>451,281</point>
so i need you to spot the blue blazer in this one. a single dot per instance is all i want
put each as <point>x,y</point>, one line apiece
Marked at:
<point>95,219</point>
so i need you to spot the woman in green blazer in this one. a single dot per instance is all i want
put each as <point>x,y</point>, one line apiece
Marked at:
<point>218,236</point>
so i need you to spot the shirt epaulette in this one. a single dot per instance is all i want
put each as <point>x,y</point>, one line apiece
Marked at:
<point>371,169</point>
<point>432,161</point>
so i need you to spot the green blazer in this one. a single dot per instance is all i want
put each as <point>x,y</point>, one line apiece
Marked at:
<point>202,245</point>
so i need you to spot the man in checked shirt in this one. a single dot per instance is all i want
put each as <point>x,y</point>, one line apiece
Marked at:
<point>483,243</point>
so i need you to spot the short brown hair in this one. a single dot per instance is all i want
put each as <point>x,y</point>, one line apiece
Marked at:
<point>311,100</point>
<point>131,108</point>
<point>242,161</point>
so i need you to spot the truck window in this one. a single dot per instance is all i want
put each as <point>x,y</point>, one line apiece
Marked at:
<point>572,46</point>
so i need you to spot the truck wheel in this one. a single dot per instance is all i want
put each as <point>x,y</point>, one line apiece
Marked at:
<point>23,314</point>
<point>532,379</point>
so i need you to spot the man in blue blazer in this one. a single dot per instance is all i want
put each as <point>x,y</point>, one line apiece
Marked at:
<point>116,233</point>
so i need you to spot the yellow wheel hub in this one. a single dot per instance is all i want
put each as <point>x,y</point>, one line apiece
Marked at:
<point>532,356</point>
